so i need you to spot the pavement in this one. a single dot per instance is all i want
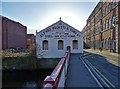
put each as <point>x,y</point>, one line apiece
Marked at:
<point>110,57</point>
<point>78,75</point>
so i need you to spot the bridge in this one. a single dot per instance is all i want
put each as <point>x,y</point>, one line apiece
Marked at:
<point>73,70</point>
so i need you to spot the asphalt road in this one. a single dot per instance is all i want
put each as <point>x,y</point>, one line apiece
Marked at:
<point>78,75</point>
<point>109,70</point>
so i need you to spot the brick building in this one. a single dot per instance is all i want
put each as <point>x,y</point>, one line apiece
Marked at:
<point>30,40</point>
<point>13,34</point>
<point>102,30</point>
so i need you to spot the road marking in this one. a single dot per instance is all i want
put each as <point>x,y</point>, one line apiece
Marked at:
<point>99,84</point>
<point>101,76</point>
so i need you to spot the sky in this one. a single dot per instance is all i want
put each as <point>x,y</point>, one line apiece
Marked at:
<point>39,15</point>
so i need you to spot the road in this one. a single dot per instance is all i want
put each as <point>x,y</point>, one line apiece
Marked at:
<point>78,75</point>
<point>109,70</point>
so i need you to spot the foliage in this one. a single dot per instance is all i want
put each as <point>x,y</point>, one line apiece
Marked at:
<point>8,53</point>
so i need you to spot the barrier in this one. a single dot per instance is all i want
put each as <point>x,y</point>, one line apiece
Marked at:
<point>59,74</point>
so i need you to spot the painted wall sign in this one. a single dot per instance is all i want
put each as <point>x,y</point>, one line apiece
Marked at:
<point>59,32</point>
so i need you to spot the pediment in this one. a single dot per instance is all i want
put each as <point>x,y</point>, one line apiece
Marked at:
<point>59,29</point>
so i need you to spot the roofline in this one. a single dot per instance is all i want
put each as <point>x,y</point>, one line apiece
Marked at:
<point>57,22</point>
<point>12,20</point>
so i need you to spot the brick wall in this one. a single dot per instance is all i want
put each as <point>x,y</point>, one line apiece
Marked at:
<point>13,33</point>
<point>98,32</point>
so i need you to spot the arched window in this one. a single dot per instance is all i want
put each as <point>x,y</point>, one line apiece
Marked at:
<point>104,43</point>
<point>45,45</point>
<point>60,44</point>
<point>102,46</point>
<point>75,44</point>
<point>113,44</point>
<point>108,43</point>
<point>106,47</point>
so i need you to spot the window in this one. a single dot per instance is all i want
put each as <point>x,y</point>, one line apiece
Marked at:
<point>45,45</point>
<point>108,25</point>
<point>113,21</point>
<point>104,25</point>
<point>102,45</point>
<point>113,4</point>
<point>106,9</point>
<point>60,44</point>
<point>106,43</point>
<point>109,43</point>
<point>75,44</point>
<point>109,7</point>
<point>95,44</point>
<point>113,44</point>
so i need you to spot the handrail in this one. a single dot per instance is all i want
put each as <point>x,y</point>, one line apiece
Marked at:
<point>52,81</point>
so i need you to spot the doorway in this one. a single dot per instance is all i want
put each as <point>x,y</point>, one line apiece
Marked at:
<point>69,48</point>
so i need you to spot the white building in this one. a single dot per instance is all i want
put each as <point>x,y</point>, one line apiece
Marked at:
<point>53,41</point>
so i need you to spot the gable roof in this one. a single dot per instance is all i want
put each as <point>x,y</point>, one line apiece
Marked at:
<point>59,22</point>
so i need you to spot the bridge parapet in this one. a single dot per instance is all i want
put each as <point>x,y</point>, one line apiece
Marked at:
<point>58,76</point>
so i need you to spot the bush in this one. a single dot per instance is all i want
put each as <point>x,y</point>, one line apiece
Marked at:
<point>8,53</point>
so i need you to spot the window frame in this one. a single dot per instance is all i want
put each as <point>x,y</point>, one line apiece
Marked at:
<point>43,45</point>
<point>74,47</point>
<point>60,47</point>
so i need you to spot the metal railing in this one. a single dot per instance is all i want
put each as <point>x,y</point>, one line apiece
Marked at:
<point>59,74</point>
